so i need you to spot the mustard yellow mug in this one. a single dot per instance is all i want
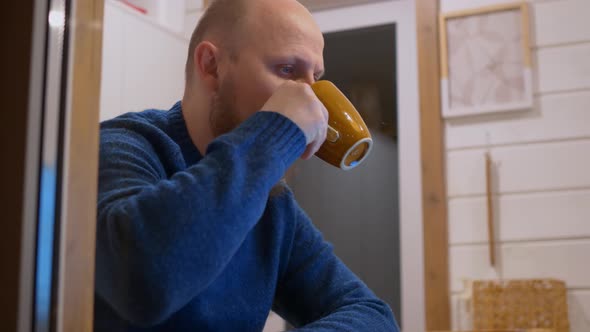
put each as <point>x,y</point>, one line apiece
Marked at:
<point>348,141</point>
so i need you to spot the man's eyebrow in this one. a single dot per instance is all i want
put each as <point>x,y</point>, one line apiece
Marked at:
<point>301,60</point>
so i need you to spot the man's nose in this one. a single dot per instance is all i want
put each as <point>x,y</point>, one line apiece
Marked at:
<point>309,79</point>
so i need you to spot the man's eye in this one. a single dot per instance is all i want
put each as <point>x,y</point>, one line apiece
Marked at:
<point>287,70</point>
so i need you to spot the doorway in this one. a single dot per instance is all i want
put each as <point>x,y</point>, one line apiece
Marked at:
<point>358,210</point>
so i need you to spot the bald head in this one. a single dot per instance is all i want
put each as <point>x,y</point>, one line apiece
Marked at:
<point>240,53</point>
<point>233,23</point>
<point>217,23</point>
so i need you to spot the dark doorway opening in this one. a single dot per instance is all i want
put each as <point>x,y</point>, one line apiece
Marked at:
<point>358,210</point>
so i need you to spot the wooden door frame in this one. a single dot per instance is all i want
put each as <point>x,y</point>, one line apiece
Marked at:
<point>75,305</point>
<point>434,199</point>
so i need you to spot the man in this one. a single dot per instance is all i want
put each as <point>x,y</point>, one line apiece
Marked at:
<point>196,231</point>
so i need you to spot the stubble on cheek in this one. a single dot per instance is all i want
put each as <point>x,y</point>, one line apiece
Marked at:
<point>224,117</point>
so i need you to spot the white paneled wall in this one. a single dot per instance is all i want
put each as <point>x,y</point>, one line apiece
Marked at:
<point>564,68</point>
<point>558,116</point>
<point>521,168</point>
<point>469,262</point>
<point>561,259</point>
<point>143,63</point>
<point>521,217</point>
<point>575,28</point>
<point>541,168</point>
<point>579,307</point>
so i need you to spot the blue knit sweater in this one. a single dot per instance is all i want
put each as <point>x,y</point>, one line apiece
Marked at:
<point>193,243</point>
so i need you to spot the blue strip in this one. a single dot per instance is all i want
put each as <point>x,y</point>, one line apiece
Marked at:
<point>45,249</point>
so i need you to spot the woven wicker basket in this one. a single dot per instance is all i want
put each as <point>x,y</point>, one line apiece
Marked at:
<point>520,304</point>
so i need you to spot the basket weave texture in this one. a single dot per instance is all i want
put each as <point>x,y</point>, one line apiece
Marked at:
<point>520,304</point>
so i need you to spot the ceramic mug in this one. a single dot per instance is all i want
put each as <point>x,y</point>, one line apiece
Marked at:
<point>348,141</point>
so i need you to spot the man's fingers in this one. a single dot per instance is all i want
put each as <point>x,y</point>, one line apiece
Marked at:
<point>308,152</point>
<point>314,146</point>
<point>325,113</point>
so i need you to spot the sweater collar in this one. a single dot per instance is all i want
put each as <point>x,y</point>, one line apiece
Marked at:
<point>179,133</point>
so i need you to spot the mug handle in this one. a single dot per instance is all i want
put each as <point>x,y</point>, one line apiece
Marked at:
<point>332,135</point>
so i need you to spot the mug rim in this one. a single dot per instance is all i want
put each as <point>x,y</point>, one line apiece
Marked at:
<point>368,140</point>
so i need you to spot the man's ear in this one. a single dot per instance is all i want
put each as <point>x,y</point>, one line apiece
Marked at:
<point>206,64</point>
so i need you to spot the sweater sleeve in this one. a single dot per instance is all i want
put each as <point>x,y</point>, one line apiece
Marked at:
<point>160,240</point>
<point>319,293</point>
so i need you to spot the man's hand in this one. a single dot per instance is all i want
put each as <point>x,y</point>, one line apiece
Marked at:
<point>298,102</point>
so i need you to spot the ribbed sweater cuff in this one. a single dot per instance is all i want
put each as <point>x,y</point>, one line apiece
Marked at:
<point>273,134</point>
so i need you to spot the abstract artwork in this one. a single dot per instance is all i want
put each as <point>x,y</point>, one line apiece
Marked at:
<point>485,58</point>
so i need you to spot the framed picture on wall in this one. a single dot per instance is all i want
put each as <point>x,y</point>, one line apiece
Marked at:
<point>485,60</point>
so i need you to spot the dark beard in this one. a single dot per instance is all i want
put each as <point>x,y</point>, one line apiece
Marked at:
<point>224,118</point>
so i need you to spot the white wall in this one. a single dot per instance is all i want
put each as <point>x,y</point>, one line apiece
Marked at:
<point>143,63</point>
<point>542,167</point>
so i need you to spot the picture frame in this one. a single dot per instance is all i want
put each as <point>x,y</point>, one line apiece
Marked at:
<point>485,60</point>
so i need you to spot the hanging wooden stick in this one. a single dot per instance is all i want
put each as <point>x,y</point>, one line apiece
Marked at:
<point>490,206</point>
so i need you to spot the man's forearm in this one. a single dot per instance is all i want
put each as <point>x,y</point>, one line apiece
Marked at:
<point>192,223</point>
